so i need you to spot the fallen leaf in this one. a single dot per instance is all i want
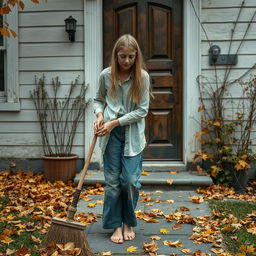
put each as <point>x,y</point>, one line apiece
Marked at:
<point>184,208</point>
<point>186,250</point>
<point>164,231</point>
<point>106,253</point>
<point>197,199</point>
<point>91,205</point>
<point>170,201</point>
<point>144,173</point>
<point>169,181</point>
<point>177,226</point>
<point>155,237</point>
<point>174,172</point>
<point>132,249</point>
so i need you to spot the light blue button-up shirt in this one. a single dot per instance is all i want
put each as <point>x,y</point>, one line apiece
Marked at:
<point>132,115</point>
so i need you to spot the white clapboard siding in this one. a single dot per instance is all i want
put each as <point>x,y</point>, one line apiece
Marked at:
<point>53,5</point>
<point>51,49</point>
<point>53,18</point>
<point>52,63</point>
<point>222,31</point>
<point>62,91</point>
<point>22,116</point>
<point>226,4</point>
<point>234,74</point>
<point>28,127</point>
<point>226,15</point>
<point>30,151</point>
<point>33,139</point>
<point>44,48</point>
<point>66,77</point>
<point>48,34</point>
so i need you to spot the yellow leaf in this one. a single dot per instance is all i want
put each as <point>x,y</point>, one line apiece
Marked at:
<point>164,231</point>
<point>169,181</point>
<point>186,250</point>
<point>107,253</point>
<point>170,201</point>
<point>87,199</point>
<point>144,173</point>
<point>10,217</point>
<point>217,123</point>
<point>5,239</point>
<point>91,205</point>
<point>132,249</point>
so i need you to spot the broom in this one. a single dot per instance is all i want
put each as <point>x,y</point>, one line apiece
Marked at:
<point>67,230</point>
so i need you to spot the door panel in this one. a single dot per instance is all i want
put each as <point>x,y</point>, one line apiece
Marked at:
<point>157,26</point>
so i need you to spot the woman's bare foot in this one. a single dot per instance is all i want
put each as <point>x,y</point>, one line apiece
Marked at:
<point>117,236</point>
<point>128,233</point>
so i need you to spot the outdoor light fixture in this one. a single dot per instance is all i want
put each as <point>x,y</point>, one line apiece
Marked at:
<point>70,24</point>
<point>215,58</point>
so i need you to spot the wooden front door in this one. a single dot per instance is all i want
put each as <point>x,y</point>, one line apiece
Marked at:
<point>157,26</point>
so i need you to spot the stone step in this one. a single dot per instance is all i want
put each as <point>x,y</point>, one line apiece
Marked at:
<point>154,178</point>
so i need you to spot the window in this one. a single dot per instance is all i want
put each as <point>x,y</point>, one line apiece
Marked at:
<point>9,85</point>
<point>2,54</point>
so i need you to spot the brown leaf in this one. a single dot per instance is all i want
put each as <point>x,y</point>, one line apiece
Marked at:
<point>177,226</point>
<point>155,237</point>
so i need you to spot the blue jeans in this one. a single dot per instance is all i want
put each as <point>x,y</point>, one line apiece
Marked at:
<point>122,175</point>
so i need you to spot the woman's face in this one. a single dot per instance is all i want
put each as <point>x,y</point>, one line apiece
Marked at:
<point>126,58</point>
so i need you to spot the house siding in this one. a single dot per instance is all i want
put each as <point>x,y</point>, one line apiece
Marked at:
<point>218,18</point>
<point>44,48</point>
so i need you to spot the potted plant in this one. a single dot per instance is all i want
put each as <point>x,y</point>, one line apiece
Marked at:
<point>226,143</point>
<point>59,117</point>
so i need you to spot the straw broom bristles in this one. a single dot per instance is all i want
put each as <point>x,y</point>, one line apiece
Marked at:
<point>64,231</point>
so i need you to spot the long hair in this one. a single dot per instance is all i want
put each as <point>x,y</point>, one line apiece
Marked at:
<point>135,90</point>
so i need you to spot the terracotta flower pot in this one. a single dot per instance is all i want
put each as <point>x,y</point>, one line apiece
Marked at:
<point>60,168</point>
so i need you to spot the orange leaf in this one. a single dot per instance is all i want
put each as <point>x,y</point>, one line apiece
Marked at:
<point>184,208</point>
<point>13,33</point>
<point>35,1</point>
<point>5,32</point>
<point>144,173</point>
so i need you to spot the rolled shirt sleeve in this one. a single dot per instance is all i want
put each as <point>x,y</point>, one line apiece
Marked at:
<point>100,99</point>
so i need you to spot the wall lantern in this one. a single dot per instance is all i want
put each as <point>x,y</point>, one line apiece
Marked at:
<point>215,58</point>
<point>70,24</point>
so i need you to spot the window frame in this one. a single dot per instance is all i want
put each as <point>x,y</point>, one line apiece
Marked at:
<point>10,96</point>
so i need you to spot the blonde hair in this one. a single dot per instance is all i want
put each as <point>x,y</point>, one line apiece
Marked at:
<point>135,90</point>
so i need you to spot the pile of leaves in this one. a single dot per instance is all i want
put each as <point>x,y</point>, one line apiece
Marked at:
<point>27,204</point>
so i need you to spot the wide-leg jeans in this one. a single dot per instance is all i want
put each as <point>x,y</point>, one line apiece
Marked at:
<point>122,175</point>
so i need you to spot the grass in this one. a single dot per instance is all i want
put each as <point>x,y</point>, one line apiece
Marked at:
<point>24,226</point>
<point>235,238</point>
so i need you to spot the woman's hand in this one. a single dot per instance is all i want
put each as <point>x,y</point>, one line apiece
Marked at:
<point>98,123</point>
<point>107,128</point>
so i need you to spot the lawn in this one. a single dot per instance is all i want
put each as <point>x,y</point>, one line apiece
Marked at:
<point>238,227</point>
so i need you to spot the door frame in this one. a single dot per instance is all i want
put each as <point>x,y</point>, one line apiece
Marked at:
<point>93,54</point>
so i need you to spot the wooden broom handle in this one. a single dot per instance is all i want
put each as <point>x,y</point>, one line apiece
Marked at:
<point>87,162</point>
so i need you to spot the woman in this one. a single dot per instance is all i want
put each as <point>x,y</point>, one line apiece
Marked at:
<point>121,104</point>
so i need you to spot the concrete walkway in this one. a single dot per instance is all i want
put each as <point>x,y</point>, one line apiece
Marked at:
<point>99,241</point>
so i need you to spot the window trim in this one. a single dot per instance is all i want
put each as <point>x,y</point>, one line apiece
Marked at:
<point>12,102</point>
